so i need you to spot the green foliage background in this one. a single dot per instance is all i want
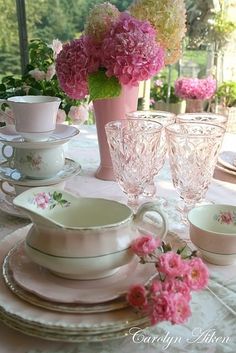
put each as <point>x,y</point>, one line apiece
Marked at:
<point>47,20</point>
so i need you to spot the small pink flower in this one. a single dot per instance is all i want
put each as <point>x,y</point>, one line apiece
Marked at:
<point>226,217</point>
<point>78,114</point>
<point>175,285</point>
<point>158,83</point>
<point>61,116</point>
<point>51,71</point>
<point>180,308</point>
<point>37,74</point>
<point>197,274</point>
<point>137,296</point>
<point>160,308</point>
<point>56,47</point>
<point>145,245</point>
<point>171,264</point>
<point>42,200</point>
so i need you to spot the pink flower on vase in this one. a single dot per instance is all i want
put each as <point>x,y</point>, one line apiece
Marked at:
<point>145,245</point>
<point>137,296</point>
<point>61,116</point>
<point>51,71</point>
<point>171,264</point>
<point>42,200</point>
<point>197,274</point>
<point>56,46</point>
<point>78,114</point>
<point>37,74</point>
<point>74,63</point>
<point>130,51</point>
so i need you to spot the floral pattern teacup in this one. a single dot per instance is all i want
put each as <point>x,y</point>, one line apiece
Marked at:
<point>38,163</point>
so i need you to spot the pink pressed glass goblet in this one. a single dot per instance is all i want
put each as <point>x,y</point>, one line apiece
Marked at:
<point>133,145</point>
<point>164,118</point>
<point>210,118</point>
<point>193,152</point>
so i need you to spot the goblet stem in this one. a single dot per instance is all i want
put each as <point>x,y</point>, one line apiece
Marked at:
<point>133,201</point>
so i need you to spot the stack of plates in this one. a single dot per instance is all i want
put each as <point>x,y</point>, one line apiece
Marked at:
<point>38,303</point>
<point>227,162</point>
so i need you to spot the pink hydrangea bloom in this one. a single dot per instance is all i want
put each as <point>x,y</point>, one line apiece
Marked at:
<point>75,61</point>
<point>195,88</point>
<point>137,296</point>
<point>61,116</point>
<point>145,245</point>
<point>130,51</point>
<point>171,264</point>
<point>42,200</point>
<point>78,114</point>
<point>37,74</point>
<point>197,274</point>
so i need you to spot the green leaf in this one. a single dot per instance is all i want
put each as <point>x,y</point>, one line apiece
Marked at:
<point>101,86</point>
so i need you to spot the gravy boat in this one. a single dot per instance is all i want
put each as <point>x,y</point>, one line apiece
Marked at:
<point>81,237</point>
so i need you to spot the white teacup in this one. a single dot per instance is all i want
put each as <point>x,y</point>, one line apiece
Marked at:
<point>12,189</point>
<point>36,163</point>
<point>35,116</point>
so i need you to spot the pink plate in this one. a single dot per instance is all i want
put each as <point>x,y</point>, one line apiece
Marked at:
<point>44,284</point>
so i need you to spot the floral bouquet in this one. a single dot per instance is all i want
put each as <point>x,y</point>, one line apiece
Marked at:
<point>115,49</point>
<point>195,88</point>
<point>168,296</point>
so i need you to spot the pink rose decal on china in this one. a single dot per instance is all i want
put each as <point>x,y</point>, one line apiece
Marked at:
<point>167,296</point>
<point>49,200</point>
<point>226,217</point>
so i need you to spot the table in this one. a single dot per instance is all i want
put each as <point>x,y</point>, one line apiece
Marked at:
<point>212,326</point>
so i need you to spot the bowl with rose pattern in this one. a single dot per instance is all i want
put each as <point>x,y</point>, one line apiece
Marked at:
<point>213,231</point>
<point>82,237</point>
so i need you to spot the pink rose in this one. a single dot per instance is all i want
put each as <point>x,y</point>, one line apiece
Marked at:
<point>137,296</point>
<point>56,46</point>
<point>180,308</point>
<point>160,310</point>
<point>171,264</point>
<point>175,285</point>
<point>37,74</point>
<point>50,72</point>
<point>61,116</point>
<point>145,245</point>
<point>78,114</point>
<point>42,199</point>
<point>197,274</point>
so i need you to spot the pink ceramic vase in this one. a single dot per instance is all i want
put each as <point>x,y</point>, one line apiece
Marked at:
<point>194,105</point>
<point>106,110</point>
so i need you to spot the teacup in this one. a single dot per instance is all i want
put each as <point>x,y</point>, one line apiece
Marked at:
<point>36,163</point>
<point>84,238</point>
<point>35,116</point>
<point>13,189</point>
<point>213,232</point>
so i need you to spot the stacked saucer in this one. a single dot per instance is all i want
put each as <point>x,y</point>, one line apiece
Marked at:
<point>227,162</point>
<point>32,163</point>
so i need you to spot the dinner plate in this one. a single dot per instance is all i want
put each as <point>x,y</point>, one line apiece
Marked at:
<point>55,325</point>
<point>225,170</point>
<point>13,176</point>
<point>7,207</point>
<point>62,134</point>
<point>228,159</point>
<point>41,282</point>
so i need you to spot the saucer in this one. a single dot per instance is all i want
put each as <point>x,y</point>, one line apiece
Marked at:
<point>228,159</point>
<point>62,134</point>
<point>13,176</point>
<point>7,207</point>
<point>42,283</point>
<point>225,170</point>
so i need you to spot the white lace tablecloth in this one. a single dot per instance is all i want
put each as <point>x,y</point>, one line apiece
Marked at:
<point>212,327</point>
